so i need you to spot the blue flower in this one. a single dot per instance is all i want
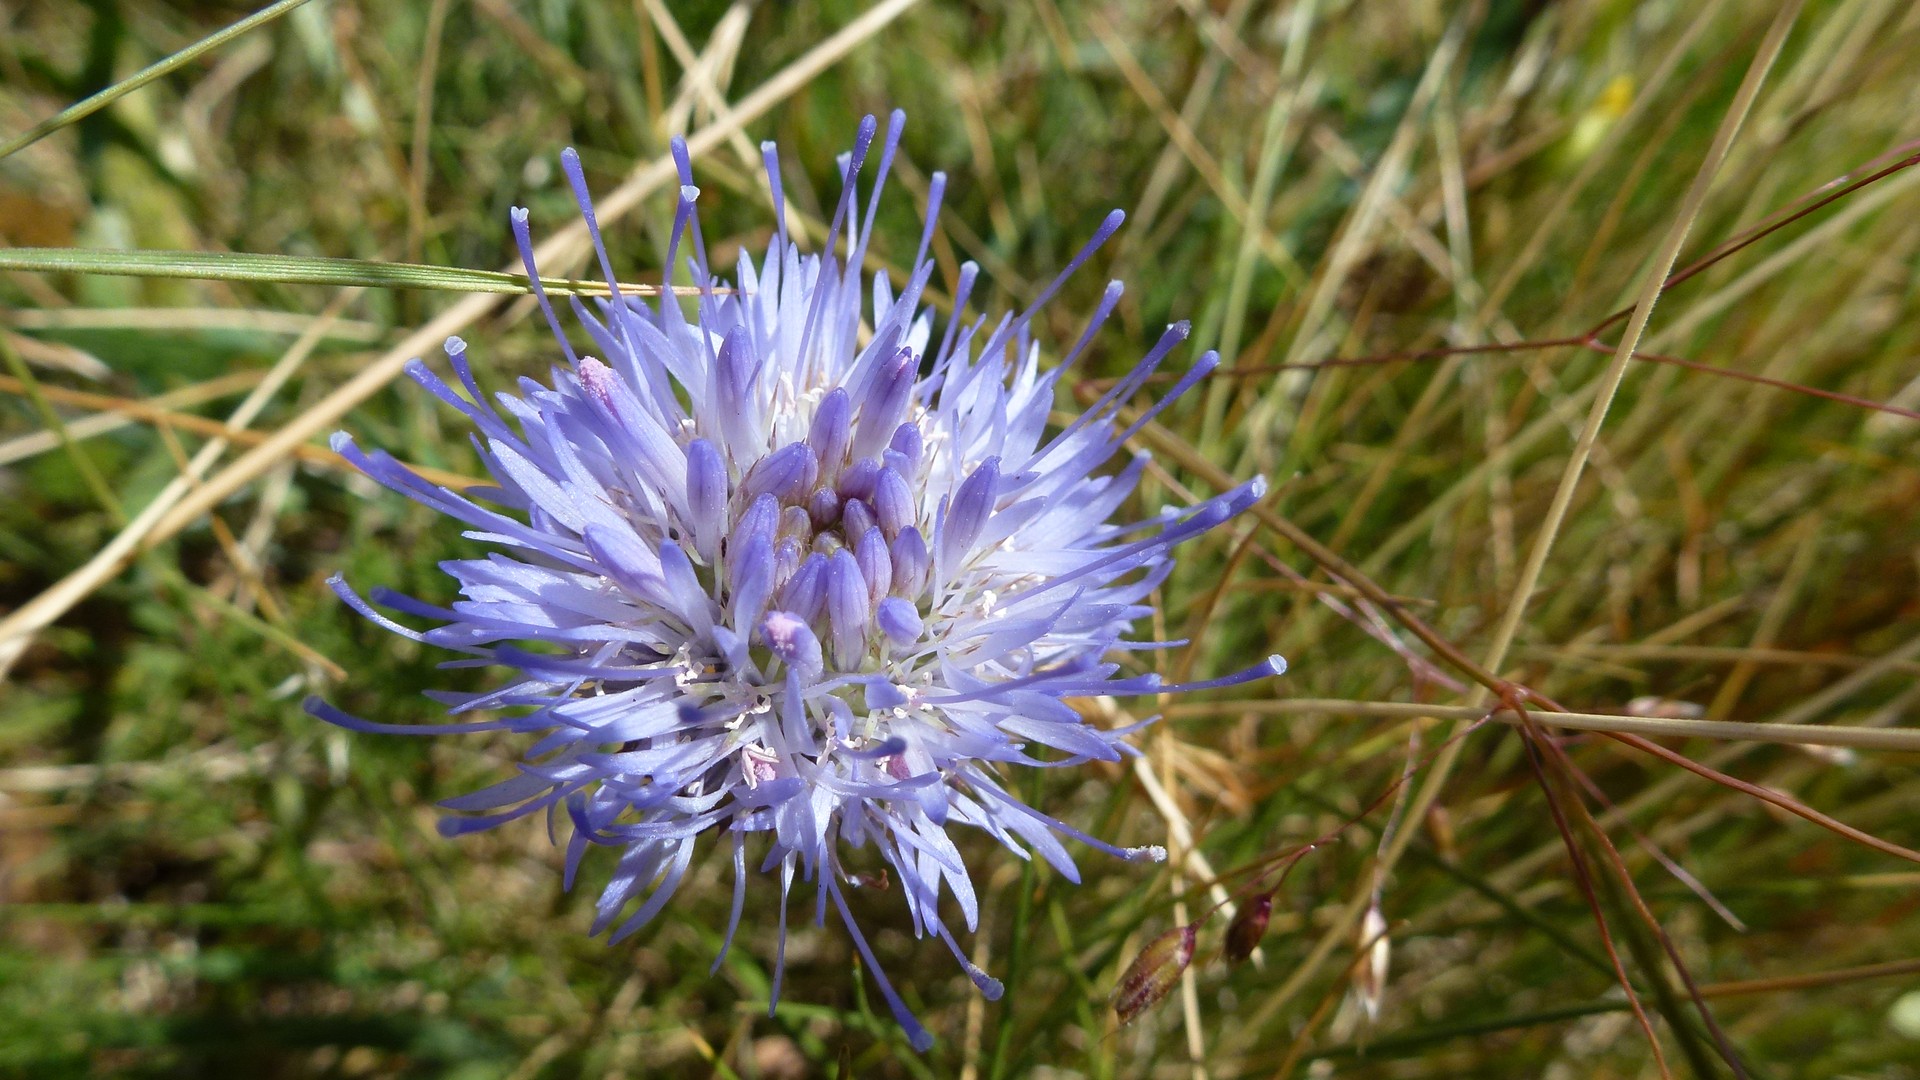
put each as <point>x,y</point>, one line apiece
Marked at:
<point>774,579</point>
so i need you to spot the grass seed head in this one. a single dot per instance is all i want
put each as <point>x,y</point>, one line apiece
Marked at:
<point>1152,974</point>
<point>1248,926</point>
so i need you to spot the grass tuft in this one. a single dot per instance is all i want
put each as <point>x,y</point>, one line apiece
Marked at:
<point>1429,238</point>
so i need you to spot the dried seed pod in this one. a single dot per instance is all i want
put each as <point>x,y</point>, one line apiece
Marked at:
<point>1248,926</point>
<point>1370,975</point>
<point>1152,974</point>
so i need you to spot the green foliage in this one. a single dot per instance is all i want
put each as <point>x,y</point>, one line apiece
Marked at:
<point>201,880</point>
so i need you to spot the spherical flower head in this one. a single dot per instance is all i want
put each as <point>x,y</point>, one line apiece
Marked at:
<point>799,587</point>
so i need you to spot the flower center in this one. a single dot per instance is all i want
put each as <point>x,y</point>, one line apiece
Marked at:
<point>820,547</point>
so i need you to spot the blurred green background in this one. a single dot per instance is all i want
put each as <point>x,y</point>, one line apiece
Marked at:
<point>200,880</point>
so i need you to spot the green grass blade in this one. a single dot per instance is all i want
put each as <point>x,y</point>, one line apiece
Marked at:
<point>88,106</point>
<point>287,270</point>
